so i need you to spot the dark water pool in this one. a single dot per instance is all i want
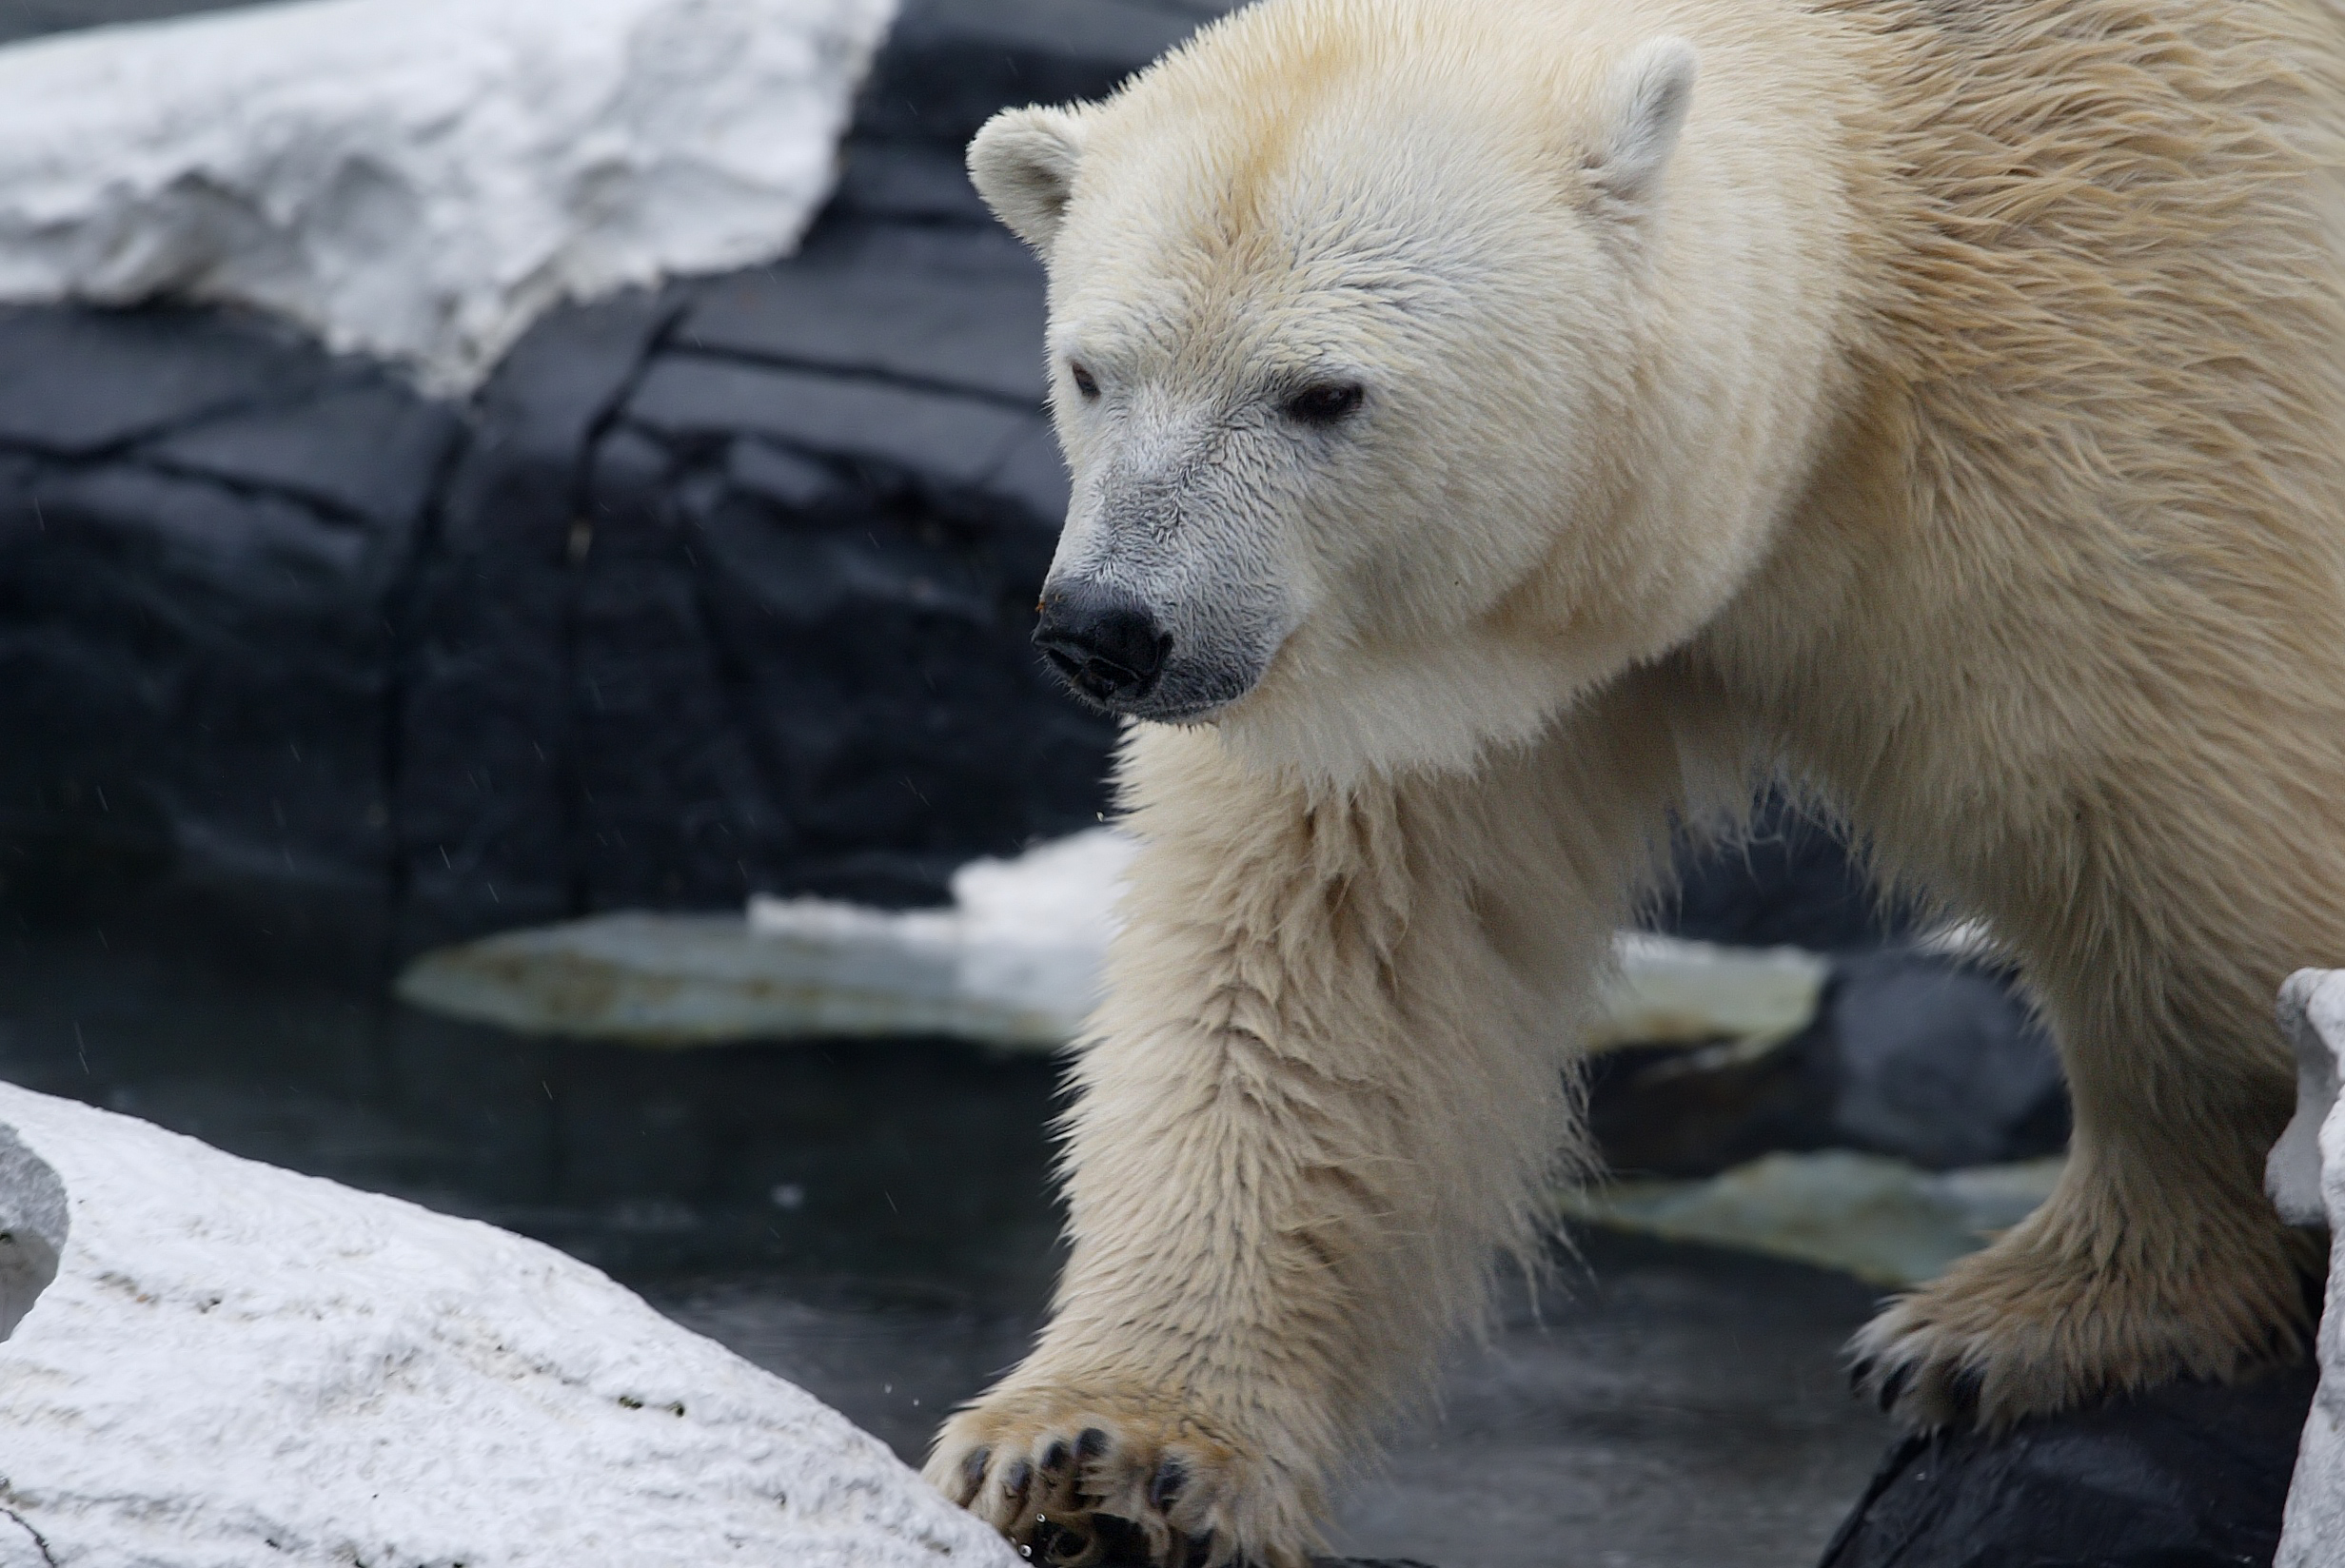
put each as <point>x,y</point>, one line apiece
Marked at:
<point>30,18</point>
<point>873,1221</point>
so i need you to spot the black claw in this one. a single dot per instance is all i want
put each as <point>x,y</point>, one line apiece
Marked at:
<point>1164,1487</point>
<point>1963,1390</point>
<point>1016,1478</point>
<point>1055,1458</point>
<point>1091,1444</point>
<point>972,1468</point>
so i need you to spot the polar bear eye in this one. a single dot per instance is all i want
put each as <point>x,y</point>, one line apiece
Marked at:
<point>1324,403</point>
<point>1081,378</point>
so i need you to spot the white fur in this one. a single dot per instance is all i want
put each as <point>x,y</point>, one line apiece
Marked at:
<point>1654,87</point>
<point>1024,163</point>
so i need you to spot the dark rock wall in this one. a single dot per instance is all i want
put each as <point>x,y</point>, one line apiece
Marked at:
<point>732,588</point>
<point>1786,878</point>
<point>204,523</point>
<point>718,588</point>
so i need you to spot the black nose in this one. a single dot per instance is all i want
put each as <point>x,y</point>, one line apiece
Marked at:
<point>1103,640</point>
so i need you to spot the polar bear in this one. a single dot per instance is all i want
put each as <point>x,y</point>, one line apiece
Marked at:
<point>1501,430</point>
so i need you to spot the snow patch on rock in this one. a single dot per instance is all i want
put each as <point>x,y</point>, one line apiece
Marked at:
<point>236,1366</point>
<point>419,179</point>
<point>2309,1162</point>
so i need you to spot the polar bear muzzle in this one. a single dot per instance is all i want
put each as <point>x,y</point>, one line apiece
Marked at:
<point>1105,642</point>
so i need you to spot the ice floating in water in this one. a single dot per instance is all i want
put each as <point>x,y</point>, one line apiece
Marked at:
<point>1015,961</point>
<point>1022,943</point>
<point>1864,1214</point>
<point>1677,991</point>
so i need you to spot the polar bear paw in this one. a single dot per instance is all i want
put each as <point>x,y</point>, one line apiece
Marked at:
<point>2029,1327</point>
<point>1076,1476</point>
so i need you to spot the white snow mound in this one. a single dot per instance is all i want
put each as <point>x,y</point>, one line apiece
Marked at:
<point>228,1364</point>
<point>419,179</point>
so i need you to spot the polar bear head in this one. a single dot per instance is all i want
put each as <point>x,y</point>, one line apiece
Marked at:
<point>1355,306</point>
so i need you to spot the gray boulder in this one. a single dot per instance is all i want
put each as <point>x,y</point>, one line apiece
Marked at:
<point>1913,1053</point>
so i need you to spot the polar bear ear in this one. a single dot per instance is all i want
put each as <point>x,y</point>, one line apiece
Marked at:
<point>1023,164</point>
<point>1652,88</point>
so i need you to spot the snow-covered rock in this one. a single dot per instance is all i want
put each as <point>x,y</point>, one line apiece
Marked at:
<point>225,1364</point>
<point>418,179</point>
<point>2307,1179</point>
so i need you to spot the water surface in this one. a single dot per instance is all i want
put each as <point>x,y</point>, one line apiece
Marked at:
<point>873,1220</point>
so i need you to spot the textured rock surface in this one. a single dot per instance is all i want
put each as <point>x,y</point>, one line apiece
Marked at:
<point>951,63</point>
<point>1787,881</point>
<point>1939,1063</point>
<point>204,520</point>
<point>418,179</point>
<point>2312,1009</point>
<point>732,594</point>
<point>2188,1476</point>
<point>234,1364</point>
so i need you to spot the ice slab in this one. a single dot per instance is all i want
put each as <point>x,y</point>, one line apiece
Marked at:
<point>1013,962</point>
<point>419,179</point>
<point>1877,1218</point>
<point>1673,991</point>
<point>234,1365</point>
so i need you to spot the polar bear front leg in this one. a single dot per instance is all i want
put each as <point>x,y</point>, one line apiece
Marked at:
<point>1327,1087</point>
